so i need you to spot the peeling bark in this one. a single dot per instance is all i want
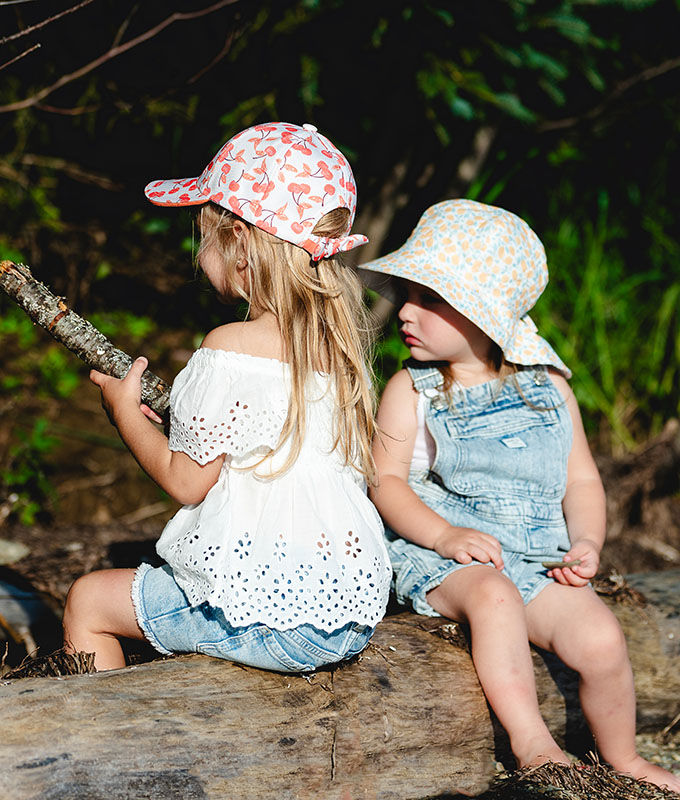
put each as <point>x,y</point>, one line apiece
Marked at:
<point>76,333</point>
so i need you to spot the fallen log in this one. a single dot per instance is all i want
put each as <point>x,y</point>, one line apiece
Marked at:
<point>407,720</point>
<point>77,334</point>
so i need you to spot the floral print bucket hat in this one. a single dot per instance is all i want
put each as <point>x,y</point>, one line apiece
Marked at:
<point>485,262</point>
<point>281,177</point>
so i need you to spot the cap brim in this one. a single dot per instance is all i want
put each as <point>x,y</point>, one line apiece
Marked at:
<point>175,192</point>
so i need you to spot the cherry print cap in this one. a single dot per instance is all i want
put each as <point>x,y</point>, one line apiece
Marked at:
<point>280,177</point>
<point>485,262</point>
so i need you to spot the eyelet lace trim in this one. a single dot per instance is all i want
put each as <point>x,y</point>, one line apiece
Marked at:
<point>282,592</point>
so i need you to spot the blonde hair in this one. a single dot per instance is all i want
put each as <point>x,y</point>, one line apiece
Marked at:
<point>322,319</point>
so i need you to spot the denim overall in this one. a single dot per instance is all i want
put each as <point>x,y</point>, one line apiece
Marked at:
<point>500,467</point>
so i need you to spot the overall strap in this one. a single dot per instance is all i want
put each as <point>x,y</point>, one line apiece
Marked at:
<point>424,375</point>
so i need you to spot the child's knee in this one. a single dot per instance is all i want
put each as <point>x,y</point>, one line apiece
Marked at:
<point>493,589</point>
<point>80,599</point>
<point>601,645</point>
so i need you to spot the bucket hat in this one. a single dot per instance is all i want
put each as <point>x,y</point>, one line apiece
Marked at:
<point>281,177</point>
<point>484,261</point>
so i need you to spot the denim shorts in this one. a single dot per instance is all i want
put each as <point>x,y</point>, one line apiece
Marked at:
<point>418,570</point>
<point>172,625</point>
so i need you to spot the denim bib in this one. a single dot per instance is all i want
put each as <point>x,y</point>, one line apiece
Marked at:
<point>500,467</point>
<point>501,457</point>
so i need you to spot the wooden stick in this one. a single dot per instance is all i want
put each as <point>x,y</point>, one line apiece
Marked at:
<point>76,333</point>
<point>560,564</point>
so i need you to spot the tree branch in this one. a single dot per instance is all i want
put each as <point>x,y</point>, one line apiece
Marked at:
<point>110,54</point>
<point>646,75</point>
<point>20,56</point>
<point>42,24</point>
<point>76,333</point>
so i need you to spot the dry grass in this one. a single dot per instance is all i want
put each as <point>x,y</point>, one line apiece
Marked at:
<point>577,781</point>
<point>57,664</point>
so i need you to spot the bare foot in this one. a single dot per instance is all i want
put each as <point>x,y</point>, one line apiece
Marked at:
<point>537,751</point>
<point>643,770</point>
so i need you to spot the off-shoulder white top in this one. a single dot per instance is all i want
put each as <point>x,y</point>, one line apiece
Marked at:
<point>304,547</point>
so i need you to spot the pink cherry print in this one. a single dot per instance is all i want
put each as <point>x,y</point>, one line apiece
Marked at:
<point>217,197</point>
<point>298,188</point>
<point>266,226</point>
<point>156,194</point>
<point>233,186</point>
<point>296,227</point>
<point>323,169</point>
<point>329,188</point>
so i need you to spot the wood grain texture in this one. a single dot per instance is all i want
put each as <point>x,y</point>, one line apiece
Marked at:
<point>405,721</point>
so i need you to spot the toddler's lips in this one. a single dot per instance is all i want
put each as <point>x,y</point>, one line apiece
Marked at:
<point>409,339</point>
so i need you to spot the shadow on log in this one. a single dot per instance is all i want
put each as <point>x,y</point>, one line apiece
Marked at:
<point>406,720</point>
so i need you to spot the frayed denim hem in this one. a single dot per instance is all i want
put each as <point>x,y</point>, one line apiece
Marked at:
<point>135,594</point>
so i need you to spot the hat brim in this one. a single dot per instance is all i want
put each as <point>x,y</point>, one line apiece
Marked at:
<point>528,348</point>
<point>175,192</point>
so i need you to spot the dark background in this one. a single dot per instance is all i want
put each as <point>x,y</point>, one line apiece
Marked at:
<point>564,112</point>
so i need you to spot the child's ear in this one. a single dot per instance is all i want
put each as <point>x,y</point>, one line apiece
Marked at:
<point>240,229</point>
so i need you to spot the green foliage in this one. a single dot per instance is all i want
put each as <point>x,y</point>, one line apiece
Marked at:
<point>120,324</point>
<point>25,481</point>
<point>549,106</point>
<point>619,331</point>
<point>15,324</point>
<point>390,352</point>
<point>59,371</point>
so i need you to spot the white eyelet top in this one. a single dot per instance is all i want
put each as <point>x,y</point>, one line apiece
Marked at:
<point>304,547</point>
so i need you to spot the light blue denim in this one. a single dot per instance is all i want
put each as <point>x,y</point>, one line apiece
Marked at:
<point>172,625</point>
<point>501,468</point>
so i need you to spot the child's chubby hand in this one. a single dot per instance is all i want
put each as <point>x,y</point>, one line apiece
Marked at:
<point>126,393</point>
<point>466,545</point>
<point>588,553</point>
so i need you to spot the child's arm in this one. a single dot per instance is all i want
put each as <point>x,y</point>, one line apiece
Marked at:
<point>583,503</point>
<point>182,478</point>
<point>398,504</point>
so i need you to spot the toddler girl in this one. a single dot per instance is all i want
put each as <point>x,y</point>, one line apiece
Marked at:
<point>485,476</point>
<point>277,558</point>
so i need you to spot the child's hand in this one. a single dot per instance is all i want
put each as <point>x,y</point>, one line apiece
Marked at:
<point>589,555</point>
<point>117,394</point>
<point>465,545</point>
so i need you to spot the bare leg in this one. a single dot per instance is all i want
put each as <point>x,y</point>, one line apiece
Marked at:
<point>490,603</point>
<point>575,624</point>
<point>99,610</point>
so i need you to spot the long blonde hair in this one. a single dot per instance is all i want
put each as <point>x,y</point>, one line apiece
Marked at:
<point>323,321</point>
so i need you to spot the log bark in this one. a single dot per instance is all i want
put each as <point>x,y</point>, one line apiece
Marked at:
<point>76,333</point>
<point>405,721</point>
